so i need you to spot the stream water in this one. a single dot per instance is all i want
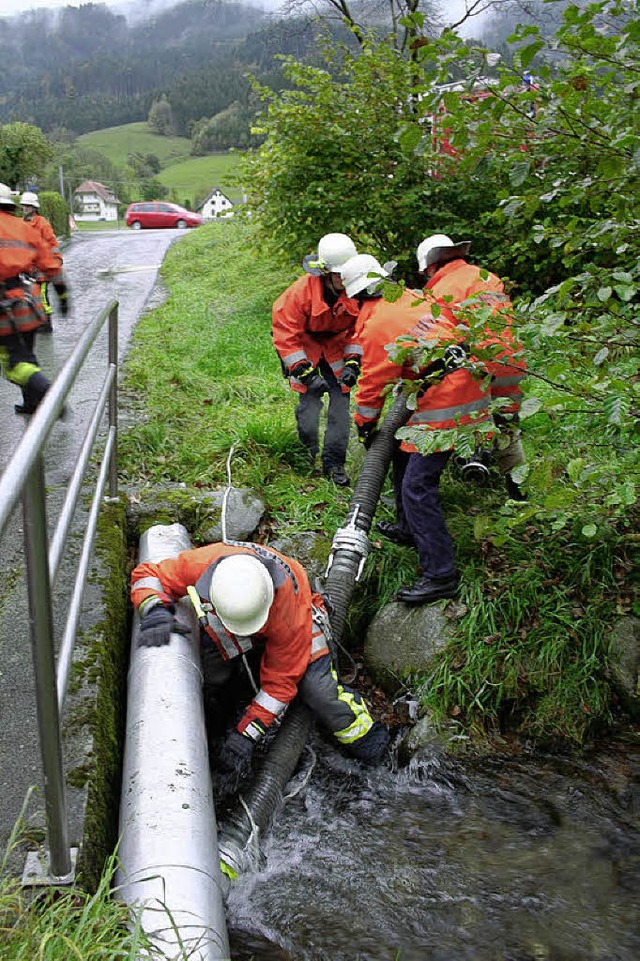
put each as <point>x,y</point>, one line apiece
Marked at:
<point>526,858</point>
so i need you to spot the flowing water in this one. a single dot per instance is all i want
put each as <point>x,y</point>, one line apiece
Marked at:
<point>525,858</point>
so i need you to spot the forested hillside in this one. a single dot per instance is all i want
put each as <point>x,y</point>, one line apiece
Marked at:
<point>85,68</point>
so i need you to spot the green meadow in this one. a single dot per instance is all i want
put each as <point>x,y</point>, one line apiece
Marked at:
<point>188,176</point>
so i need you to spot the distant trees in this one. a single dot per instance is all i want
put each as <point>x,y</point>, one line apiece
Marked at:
<point>229,128</point>
<point>24,152</point>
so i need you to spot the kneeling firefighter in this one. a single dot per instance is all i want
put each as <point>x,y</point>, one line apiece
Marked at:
<point>251,598</point>
<point>22,252</point>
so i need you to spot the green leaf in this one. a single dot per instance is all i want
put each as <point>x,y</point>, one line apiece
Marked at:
<point>604,293</point>
<point>530,406</point>
<point>527,54</point>
<point>589,530</point>
<point>600,356</point>
<point>519,172</point>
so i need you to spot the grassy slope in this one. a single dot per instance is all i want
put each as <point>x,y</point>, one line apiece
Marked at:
<point>117,143</point>
<point>531,648</point>
<point>201,174</point>
<point>180,171</point>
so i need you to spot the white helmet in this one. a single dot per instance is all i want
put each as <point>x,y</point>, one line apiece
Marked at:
<point>439,247</point>
<point>241,592</point>
<point>333,251</point>
<point>356,274</point>
<point>30,198</point>
<point>7,199</point>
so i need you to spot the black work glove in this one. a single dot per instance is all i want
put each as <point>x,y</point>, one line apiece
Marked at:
<point>366,434</point>
<point>235,757</point>
<point>350,372</point>
<point>156,626</point>
<point>63,297</point>
<point>309,376</point>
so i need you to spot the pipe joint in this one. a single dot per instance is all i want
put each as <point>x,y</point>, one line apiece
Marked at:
<point>350,538</point>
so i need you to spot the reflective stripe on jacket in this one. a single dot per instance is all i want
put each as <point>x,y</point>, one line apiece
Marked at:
<point>459,282</point>
<point>22,250</point>
<point>306,328</point>
<point>455,400</point>
<point>290,643</point>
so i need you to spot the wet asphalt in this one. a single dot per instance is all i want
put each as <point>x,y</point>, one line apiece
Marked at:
<point>99,266</point>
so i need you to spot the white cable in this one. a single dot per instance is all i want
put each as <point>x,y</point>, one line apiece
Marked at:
<point>226,495</point>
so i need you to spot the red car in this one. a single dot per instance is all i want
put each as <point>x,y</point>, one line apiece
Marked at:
<point>154,213</point>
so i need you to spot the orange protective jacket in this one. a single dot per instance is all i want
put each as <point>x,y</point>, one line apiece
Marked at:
<point>306,328</point>
<point>22,250</point>
<point>459,282</point>
<point>290,637</point>
<point>455,400</point>
<point>44,228</point>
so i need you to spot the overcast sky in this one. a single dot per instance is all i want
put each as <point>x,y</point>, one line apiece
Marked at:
<point>8,7</point>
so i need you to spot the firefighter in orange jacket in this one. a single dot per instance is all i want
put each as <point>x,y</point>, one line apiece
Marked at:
<point>22,251</point>
<point>253,598</point>
<point>313,333</point>
<point>30,212</point>
<point>455,282</point>
<point>451,397</point>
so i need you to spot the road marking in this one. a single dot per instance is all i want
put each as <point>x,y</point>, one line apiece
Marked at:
<point>112,271</point>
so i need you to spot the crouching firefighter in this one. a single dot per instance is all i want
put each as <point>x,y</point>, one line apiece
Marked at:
<point>22,253</point>
<point>252,600</point>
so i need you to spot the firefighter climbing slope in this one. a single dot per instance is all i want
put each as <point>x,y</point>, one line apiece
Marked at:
<point>23,254</point>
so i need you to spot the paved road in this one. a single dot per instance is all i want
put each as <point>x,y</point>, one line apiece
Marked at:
<point>99,266</point>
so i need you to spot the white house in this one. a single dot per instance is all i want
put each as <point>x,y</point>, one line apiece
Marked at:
<point>94,201</point>
<point>215,205</point>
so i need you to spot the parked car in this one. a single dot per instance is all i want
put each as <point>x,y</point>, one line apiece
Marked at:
<point>154,213</point>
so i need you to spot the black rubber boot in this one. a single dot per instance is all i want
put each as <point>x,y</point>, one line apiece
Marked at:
<point>32,393</point>
<point>428,589</point>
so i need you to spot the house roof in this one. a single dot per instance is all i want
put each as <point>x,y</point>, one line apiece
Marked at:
<point>212,193</point>
<point>93,187</point>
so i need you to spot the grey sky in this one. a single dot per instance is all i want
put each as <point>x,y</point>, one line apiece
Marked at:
<point>454,8</point>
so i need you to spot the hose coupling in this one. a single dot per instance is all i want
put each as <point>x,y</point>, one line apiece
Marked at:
<point>350,538</point>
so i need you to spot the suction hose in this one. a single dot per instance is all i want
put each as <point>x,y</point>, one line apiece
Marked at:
<point>350,543</point>
<point>239,837</point>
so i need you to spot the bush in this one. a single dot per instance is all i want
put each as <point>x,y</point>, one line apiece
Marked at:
<point>55,209</point>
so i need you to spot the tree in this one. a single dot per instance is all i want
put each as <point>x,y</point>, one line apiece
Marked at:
<point>161,117</point>
<point>24,152</point>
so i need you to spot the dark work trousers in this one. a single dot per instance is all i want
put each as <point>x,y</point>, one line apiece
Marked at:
<point>336,436</point>
<point>339,709</point>
<point>416,482</point>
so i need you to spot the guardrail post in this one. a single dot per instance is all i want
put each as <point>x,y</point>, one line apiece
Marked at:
<point>41,621</point>
<point>113,399</point>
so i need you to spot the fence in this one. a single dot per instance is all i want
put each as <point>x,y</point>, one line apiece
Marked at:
<point>24,480</point>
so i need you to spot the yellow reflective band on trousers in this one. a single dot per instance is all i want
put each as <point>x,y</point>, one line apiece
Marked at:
<point>19,374</point>
<point>44,297</point>
<point>363,721</point>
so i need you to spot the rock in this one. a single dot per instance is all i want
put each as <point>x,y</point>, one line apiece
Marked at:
<point>310,549</point>
<point>403,641</point>
<point>624,664</point>
<point>199,510</point>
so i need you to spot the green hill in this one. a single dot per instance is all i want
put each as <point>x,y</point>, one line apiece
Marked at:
<point>117,143</point>
<point>198,175</point>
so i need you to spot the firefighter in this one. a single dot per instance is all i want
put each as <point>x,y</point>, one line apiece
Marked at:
<point>455,282</point>
<point>450,397</point>
<point>253,600</point>
<point>313,333</point>
<point>30,213</point>
<point>22,252</point>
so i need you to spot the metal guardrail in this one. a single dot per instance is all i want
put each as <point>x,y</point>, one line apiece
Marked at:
<point>24,480</point>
